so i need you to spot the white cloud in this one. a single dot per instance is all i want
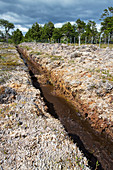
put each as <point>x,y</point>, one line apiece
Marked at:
<point>26,12</point>
<point>11,17</point>
<point>98,27</point>
<point>16,18</point>
<point>59,25</point>
<point>21,28</point>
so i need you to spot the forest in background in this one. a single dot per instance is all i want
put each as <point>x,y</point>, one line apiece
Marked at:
<point>80,32</point>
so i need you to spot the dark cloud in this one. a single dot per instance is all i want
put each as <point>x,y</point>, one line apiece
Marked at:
<point>27,12</point>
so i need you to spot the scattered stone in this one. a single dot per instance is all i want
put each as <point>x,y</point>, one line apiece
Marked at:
<point>76,54</point>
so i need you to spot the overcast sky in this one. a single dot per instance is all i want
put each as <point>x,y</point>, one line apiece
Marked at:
<point>23,13</point>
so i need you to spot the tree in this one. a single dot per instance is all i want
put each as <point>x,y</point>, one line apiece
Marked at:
<point>91,31</point>
<point>80,27</point>
<point>17,36</point>
<point>57,34</point>
<point>7,26</point>
<point>44,33</point>
<point>68,30</point>
<point>1,34</point>
<point>48,29</point>
<point>33,33</point>
<point>107,12</point>
<point>28,35</point>
<point>107,23</point>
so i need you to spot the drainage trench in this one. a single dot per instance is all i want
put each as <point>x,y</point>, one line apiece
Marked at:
<point>97,148</point>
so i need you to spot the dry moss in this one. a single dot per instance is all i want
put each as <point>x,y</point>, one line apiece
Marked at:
<point>53,57</point>
<point>8,62</point>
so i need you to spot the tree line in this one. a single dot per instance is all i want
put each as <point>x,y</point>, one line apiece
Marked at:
<point>68,33</point>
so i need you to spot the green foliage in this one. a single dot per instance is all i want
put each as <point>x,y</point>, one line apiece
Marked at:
<point>91,31</point>
<point>55,57</point>
<point>33,33</point>
<point>44,35</point>
<point>47,31</point>
<point>80,29</point>
<point>68,33</point>
<point>97,165</point>
<point>107,23</point>
<point>80,26</point>
<point>17,36</point>
<point>39,33</point>
<point>107,12</point>
<point>68,30</point>
<point>35,52</point>
<point>57,34</point>
<point>49,27</point>
<point>1,34</point>
<point>6,25</point>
